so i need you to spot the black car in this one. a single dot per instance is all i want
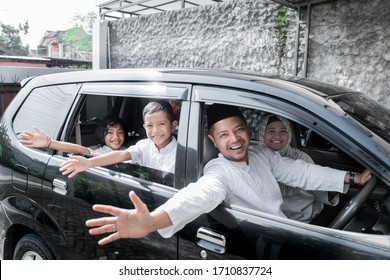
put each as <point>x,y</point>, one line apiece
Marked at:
<point>43,213</point>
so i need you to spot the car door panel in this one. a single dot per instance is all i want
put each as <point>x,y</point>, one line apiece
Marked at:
<point>110,185</point>
<point>101,186</point>
<point>261,236</point>
<point>253,235</point>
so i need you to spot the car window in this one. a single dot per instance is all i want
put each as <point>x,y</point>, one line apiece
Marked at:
<point>95,107</point>
<point>86,120</point>
<point>305,145</point>
<point>310,139</point>
<point>366,111</point>
<point>46,108</point>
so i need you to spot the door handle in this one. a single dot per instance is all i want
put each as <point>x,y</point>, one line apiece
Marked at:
<point>211,240</point>
<point>60,186</point>
<point>20,177</point>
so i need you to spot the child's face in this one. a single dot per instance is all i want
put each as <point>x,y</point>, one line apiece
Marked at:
<point>159,129</point>
<point>276,135</point>
<point>115,137</point>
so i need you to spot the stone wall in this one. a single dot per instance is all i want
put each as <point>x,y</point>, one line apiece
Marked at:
<point>350,46</point>
<point>348,43</point>
<point>240,35</point>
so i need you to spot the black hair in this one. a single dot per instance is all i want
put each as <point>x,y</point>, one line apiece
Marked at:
<point>157,106</point>
<point>105,124</point>
<point>217,112</point>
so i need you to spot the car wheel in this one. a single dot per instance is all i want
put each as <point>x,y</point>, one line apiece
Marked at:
<point>32,247</point>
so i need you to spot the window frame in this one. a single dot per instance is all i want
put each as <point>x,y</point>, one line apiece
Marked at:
<point>38,91</point>
<point>138,90</point>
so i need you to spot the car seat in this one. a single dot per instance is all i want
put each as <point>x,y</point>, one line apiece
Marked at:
<point>209,150</point>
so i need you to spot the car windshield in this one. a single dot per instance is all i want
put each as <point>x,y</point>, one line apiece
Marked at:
<point>366,111</point>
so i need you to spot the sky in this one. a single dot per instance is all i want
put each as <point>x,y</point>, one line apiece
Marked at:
<point>43,15</point>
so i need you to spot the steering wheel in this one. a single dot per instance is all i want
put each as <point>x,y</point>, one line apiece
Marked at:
<point>350,209</point>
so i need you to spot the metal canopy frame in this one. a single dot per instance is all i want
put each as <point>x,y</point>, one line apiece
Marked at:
<point>116,9</point>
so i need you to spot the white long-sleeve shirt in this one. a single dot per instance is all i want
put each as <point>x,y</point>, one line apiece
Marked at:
<point>145,153</point>
<point>253,186</point>
<point>103,149</point>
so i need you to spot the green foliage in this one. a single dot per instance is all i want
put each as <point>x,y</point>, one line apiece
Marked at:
<point>10,36</point>
<point>78,39</point>
<point>6,152</point>
<point>85,21</point>
<point>283,24</point>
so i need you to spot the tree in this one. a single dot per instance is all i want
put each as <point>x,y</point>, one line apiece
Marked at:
<point>78,43</point>
<point>10,36</point>
<point>85,21</point>
<point>79,38</point>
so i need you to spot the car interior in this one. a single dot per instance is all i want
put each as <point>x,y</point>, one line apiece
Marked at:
<point>323,152</point>
<point>95,107</point>
<point>373,215</point>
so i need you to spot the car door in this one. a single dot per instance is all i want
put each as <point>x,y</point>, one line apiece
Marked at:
<point>235,232</point>
<point>69,200</point>
<point>45,107</point>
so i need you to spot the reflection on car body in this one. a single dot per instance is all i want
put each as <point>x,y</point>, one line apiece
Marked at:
<point>335,126</point>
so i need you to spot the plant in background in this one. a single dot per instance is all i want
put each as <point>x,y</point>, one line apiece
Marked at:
<point>10,37</point>
<point>283,24</point>
<point>78,39</point>
<point>78,43</point>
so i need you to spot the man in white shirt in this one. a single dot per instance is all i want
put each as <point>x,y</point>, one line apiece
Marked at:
<point>240,175</point>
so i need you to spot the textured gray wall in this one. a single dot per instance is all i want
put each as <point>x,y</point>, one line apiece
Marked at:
<point>240,35</point>
<point>348,44</point>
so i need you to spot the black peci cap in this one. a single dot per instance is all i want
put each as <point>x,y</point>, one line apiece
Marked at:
<point>217,112</point>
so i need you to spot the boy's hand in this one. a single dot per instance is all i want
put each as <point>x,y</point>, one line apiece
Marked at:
<point>74,165</point>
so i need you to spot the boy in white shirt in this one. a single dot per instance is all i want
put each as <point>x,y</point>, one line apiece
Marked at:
<point>157,151</point>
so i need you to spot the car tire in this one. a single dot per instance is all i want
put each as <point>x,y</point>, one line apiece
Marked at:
<point>32,247</point>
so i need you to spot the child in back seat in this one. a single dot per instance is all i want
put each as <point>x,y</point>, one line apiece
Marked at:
<point>111,134</point>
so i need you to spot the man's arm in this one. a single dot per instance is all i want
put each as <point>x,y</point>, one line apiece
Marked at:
<point>311,176</point>
<point>78,164</point>
<point>124,223</point>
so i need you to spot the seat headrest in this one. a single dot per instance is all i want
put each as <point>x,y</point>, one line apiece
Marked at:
<point>209,150</point>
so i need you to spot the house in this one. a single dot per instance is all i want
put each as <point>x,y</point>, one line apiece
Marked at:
<point>73,43</point>
<point>52,44</point>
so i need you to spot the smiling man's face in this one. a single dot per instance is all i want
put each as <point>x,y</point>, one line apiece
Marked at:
<point>231,137</point>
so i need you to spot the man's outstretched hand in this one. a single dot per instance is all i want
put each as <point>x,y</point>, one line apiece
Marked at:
<point>125,223</point>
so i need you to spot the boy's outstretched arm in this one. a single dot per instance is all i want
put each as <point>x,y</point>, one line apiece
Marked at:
<point>76,164</point>
<point>124,223</point>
